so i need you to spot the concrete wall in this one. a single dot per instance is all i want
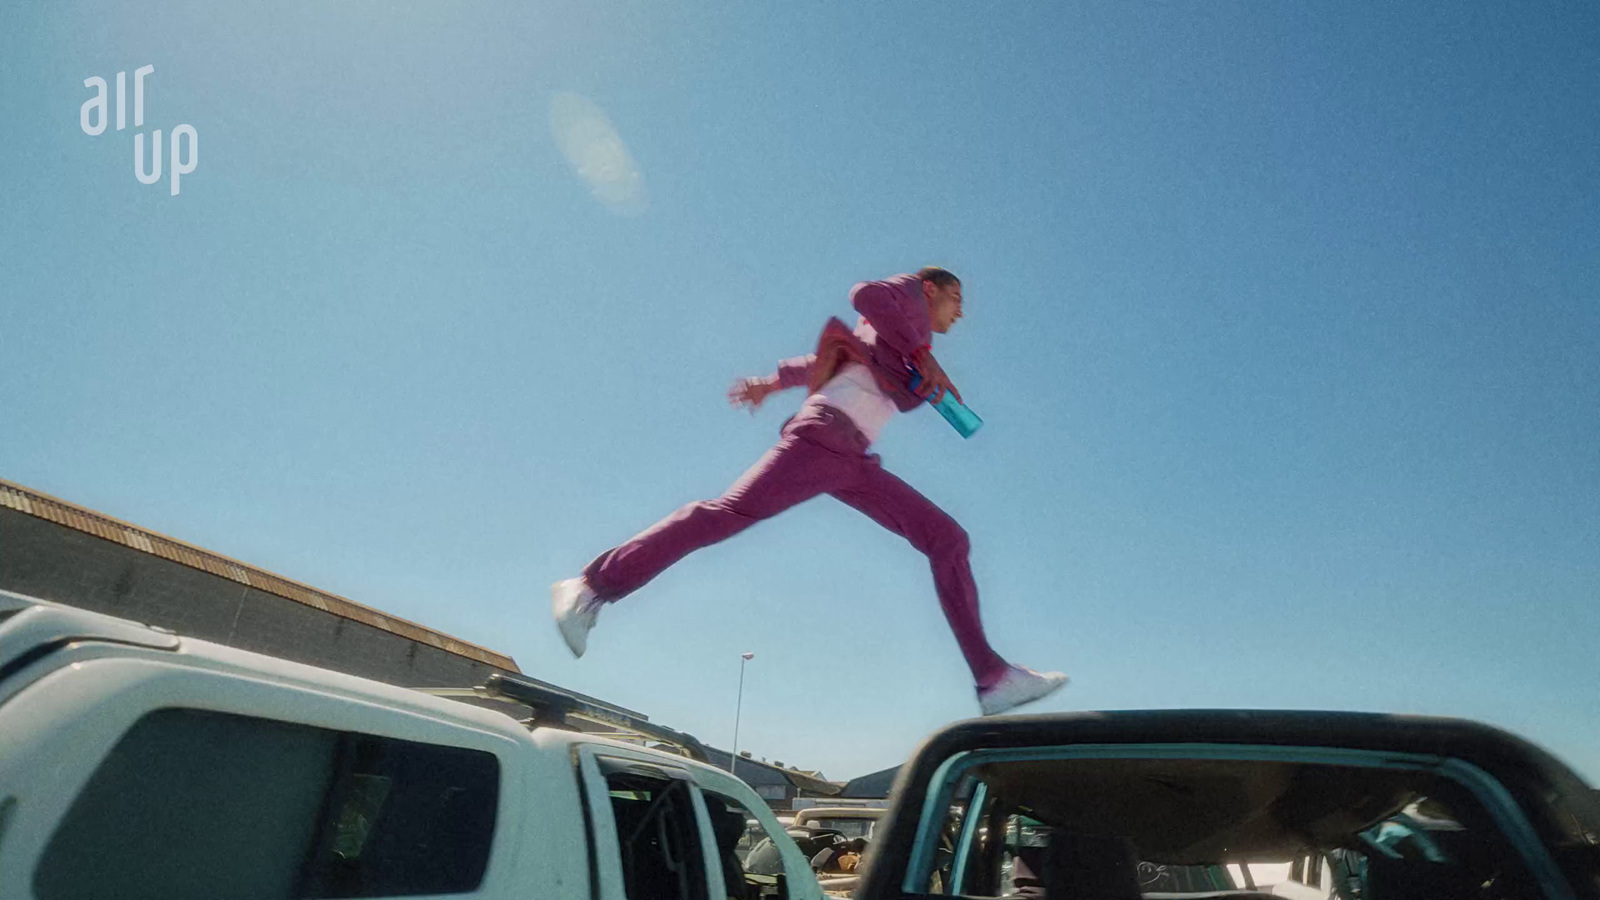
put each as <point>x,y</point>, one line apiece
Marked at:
<point>42,559</point>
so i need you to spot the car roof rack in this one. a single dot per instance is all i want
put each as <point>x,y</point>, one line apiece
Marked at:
<point>554,708</point>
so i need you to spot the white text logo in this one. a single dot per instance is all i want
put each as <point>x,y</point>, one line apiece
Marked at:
<point>94,113</point>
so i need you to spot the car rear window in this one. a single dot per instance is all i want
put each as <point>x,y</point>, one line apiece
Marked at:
<point>198,804</point>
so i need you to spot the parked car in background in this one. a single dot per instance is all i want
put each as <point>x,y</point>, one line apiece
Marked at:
<point>850,821</point>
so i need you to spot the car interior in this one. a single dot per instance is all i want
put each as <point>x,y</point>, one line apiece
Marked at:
<point>1120,829</point>
<point>657,837</point>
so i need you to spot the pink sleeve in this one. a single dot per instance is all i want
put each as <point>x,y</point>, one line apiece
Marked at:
<point>796,371</point>
<point>886,310</point>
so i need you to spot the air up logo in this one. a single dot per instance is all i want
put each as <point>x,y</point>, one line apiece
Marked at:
<point>94,113</point>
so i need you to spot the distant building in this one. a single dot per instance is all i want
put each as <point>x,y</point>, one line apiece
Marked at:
<point>870,787</point>
<point>779,786</point>
<point>59,551</point>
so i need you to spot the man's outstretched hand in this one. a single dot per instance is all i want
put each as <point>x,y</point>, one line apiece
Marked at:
<point>934,381</point>
<point>750,392</point>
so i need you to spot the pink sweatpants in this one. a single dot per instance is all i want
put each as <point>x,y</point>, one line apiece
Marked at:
<point>820,452</point>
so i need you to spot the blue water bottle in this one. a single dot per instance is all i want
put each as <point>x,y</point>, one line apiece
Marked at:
<point>963,420</point>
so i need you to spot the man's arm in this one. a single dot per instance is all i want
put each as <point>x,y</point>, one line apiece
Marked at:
<point>795,371</point>
<point>903,324</point>
<point>792,372</point>
<point>898,324</point>
<point>934,380</point>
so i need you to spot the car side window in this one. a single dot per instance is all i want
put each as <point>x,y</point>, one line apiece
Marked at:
<point>752,865</point>
<point>957,837</point>
<point>190,802</point>
<point>658,837</point>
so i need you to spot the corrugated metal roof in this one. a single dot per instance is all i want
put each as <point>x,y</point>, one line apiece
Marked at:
<point>25,500</point>
<point>755,771</point>
<point>872,786</point>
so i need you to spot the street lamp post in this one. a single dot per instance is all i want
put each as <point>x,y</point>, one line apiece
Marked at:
<point>738,707</point>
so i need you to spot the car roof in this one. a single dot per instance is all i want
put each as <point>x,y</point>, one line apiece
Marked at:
<point>28,623</point>
<point>1492,748</point>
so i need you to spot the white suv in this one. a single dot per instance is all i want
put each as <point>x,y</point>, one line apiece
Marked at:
<point>135,763</point>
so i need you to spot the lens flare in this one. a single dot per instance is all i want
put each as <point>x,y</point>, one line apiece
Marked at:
<point>597,154</point>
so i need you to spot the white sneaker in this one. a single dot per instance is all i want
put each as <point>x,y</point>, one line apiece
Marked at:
<point>1019,685</point>
<point>575,608</point>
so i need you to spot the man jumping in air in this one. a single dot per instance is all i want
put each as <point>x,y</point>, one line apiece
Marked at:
<point>857,381</point>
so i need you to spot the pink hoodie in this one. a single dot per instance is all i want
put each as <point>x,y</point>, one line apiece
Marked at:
<point>894,326</point>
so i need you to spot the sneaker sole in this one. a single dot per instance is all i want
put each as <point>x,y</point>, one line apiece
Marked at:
<point>576,643</point>
<point>1048,690</point>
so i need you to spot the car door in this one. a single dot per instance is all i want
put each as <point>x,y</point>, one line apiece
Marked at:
<point>762,841</point>
<point>661,831</point>
<point>647,827</point>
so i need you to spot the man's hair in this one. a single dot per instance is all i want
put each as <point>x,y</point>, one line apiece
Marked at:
<point>940,277</point>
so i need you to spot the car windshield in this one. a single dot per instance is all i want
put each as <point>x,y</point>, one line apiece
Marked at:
<point>848,826</point>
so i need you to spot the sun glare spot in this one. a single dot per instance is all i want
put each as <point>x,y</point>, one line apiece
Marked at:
<point>597,154</point>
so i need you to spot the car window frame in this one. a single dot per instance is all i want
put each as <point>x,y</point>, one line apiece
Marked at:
<point>799,876</point>
<point>595,762</point>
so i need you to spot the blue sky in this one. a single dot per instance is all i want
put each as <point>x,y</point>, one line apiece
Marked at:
<point>1283,320</point>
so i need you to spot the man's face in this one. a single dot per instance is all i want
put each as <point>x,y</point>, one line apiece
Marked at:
<point>944,304</point>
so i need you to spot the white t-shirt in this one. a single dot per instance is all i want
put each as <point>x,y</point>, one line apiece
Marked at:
<point>854,392</point>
